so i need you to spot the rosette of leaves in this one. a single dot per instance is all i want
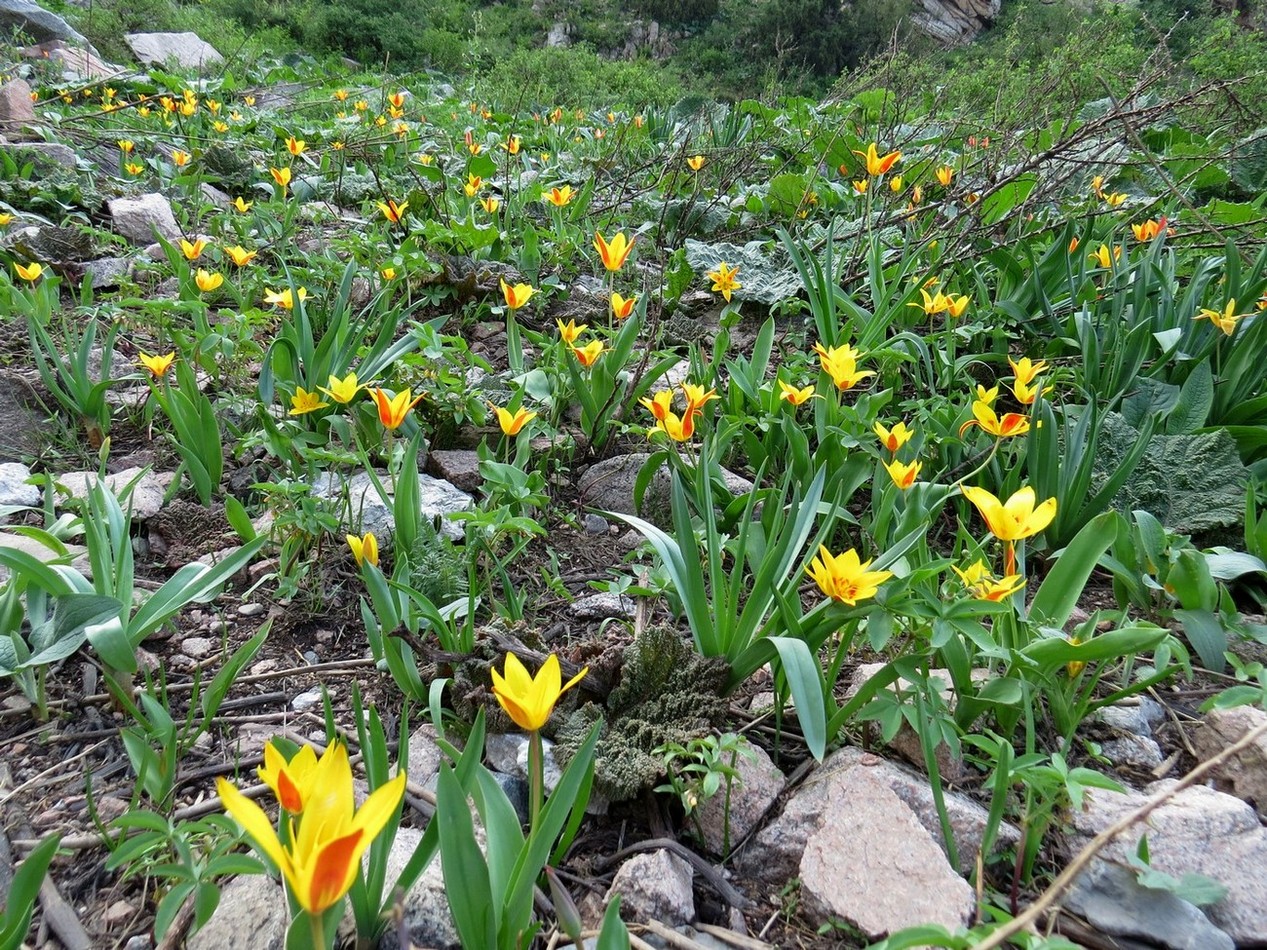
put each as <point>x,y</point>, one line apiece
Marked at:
<point>666,693</point>
<point>230,168</point>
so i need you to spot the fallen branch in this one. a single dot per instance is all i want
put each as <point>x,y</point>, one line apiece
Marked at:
<point>1049,897</point>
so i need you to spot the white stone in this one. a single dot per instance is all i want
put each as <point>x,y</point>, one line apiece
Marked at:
<point>367,511</point>
<point>1245,775</point>
<point>14,489</point>
<point>188,50</point>
<point>251,904</point>
<point>874,865</point>
<point>147,495</point>
<point>655,886</point>
<point>138,218</point>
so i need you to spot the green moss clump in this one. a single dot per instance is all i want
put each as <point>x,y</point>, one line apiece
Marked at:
<point>667,693</point>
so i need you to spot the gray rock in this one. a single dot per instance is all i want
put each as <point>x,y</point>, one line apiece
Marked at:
<point>251,904</point>
<point>63,155</point>
<point>21,419</point>
<point>880,870</point>
<point>77,64</point>
<point>954,22</point>
<point>558,35</point>
<point>508,753</point>
<point>1137,715</point>
<point>16,107</point>
<point>609,486</point>
<point>756,788</point>
<point>655,886</point>
<point>215,196</point>
<point>108,273</point>
<point>596,524</point>
<point>602,605</point>
<point>137,219</point>
<point>36,22</point>
<point>774,855</point>
<point>367,511</point>
<point>1110,897</point>
<point>306,699</point>
<point>187,50</point>
<point>14,489</point>
<point>146,497</point>
<point>19,542</point>
<point>424,755</point>
<point>459,467</point>
<point>1137,751</point>
<point>199,648</point>
<point>427,920</point>
<point>1245,775</point>
<point>1198,831</point>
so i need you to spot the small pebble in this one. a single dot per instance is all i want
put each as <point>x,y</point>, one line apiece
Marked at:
<point>197,647</point>
<point>250,610</point>
<point>306,700</point>
<point>311,657</point>
<point>595,524</point>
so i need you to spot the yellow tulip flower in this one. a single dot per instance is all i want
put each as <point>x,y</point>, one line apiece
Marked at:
<point>157,365</point>
<point>240,255</point>
<point>284,298</point>
<point>560,197</point>
<point>192,249</point>
<point>391,211</point>
<point>207,281</point>
<point>569,332</point>
<point>615,252</point>
<point>364,549</point>
<point>512,423</point>
<point>281,176</point>
<point>622,307</point>
<point>878,164</point>
<point>290,782</point>
<point>304,402</point>
<point>843,577</point>
<point>841,364</point>
<point>529,700</point>
<point>393,409</point>
<point>1014,519</point>
<point>1225,320</point>
<point>893,439</point>
<point>903,473</point>
<point>517,295</point>
<point>796,396</point>
<point>723,279</point>
<point>30,271</point>
<point>322,856</point>
<point>342,390</point>
<point>589,353</point>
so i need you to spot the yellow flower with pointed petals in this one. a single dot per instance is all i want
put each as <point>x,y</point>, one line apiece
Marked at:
<point>1105,257</point>
<point>389,272</point>
<point>843,577</point>
<point>126,146</point>
<point>322,857</point>
<point>1115,200</point>
<point>529,700</point>
<point>615,252</point>
<point>391,211</point>
<point>588,354</point>
<point>392,410</point>
<point>342,390</point>
<point>696,397</point>
<point>304,402</point>
<point>795,396</point>
<point>903,473</point>
<point>982,585</point>
<point>860,186</point>
<point>241,205</point>
<point>516,295</point>
<point>208,281</point>
<point>945,174</point>
<point>878,164</point>
<point>364,549</point>
<point>569,332</point>
<point>490,204</point>
<point>1225,320</point>
<point>192,249</point>
<point>1026,370</point>
<point>660,405</point>
<point>679,429</point>
<point>956,304</point>
<point>181,159</point>
<point>284,298</point>
<point>240,255</point>
<point>987,396</point>
<point>1014,519</point>
<point>281,176</point>
<point>512,423</point>
<point>895,184</point>
<point>723,279</point>
<point>157,365</point>
<point>893,439</point>
<point>841,364</point>
<point>290,782</point>
<point>30,271</point>
<point>696,162</point>
<point>559,197</point>
<point>472,186</point>
<point>1012,423</point>
<point>295,146</point>
<point>622,307</point>
<point>933,303</point>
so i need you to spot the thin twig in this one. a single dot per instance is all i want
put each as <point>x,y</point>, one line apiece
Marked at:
<point>1030,915</point>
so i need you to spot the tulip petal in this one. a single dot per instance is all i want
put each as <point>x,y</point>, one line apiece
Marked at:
<point>256,824</point>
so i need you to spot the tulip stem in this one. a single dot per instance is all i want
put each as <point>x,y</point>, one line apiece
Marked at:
<point>536,778</point>
<point>317,922</point>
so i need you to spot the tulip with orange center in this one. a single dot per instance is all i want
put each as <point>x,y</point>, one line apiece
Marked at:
<point>615,252</point>
<point>392,410</point>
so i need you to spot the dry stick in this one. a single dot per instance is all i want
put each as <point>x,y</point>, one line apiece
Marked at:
<point>1049,897</point>
<point>733,938</point>
<point>671,937</point>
